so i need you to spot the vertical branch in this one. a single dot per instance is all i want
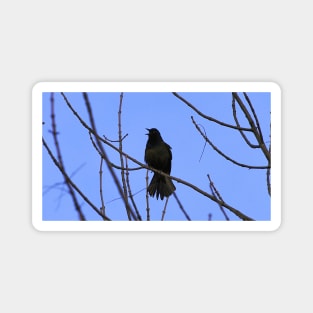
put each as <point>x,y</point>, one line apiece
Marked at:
<point>257,131</point>
<point>60,160</point>
<point>216,195</point>
<point>253,126</point>
<point>254,115</point>
<point>164,210</point>
<point>147,196</point>
<point>268,177</point>
<point>130,192</point>
<point>103,153</point>
<point>239,127</point>
<point>101,193</point>
<point>268,174</point>
<point>121,149</point>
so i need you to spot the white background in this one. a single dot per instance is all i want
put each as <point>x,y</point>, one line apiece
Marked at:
<point>159,41</point>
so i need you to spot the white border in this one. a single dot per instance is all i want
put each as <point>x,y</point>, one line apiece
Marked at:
<point>41,87</point>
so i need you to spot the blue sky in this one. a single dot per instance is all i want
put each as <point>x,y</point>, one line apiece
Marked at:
<point>244,189</point>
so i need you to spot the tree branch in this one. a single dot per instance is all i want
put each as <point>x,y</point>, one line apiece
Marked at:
<point>253,126</point>
<point>223,154</point>
<point>120,140</point>
<point>103,153</point>
<point>230,208</point>
<point>59,166</point>
<point>59,156</point>
<point>209,117</point>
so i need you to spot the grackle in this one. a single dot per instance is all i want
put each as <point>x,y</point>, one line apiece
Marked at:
<point>159,156</point>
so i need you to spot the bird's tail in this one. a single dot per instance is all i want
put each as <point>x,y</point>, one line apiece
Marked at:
<point>161,186</point>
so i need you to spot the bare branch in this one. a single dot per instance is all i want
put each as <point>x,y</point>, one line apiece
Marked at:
<point>103,153</point>
<point>147,196</point>
<point>59,166</point>
<point>121,156</point>
<point>250,144</point>
<point>268,177</point>
<point>223,154</point>
<point>101,193</point>
<point>209,117</point>
<point>253,126</point>
<point>118,140</point>
<point>254,115</point>
<point>59,156</point>
<point>130,192</point>
<point>217,195</point>
<point>236,212</point>
<point>181,207</point>
<point>164,210</point>
<point>111,163</point>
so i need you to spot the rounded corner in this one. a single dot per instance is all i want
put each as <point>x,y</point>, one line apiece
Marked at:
<point>37,86</point>
<point>276,226</point>
<point>276,87</point>
<point>37,226</point>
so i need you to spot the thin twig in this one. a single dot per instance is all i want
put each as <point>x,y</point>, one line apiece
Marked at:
<point>208,117</point>
<point>223,154</point>
<point>129,169</point>
<point>101,193</point>
<point>205,142</point>
<point>164,210</point>
<point>118,140</point>
<point>217,195</point>
<point>119,198</point>
<point>268,177</point>
<point>121,156</point>
<point>111,163</point>
<point>56,185</point>
<point>253,126</point>
<point>181,207</point>
<point>147,196</point>
<point>254,115</point>
<point>60,160</point>
<point>103,153</point>
<point>250,144</point>
<point>130,192</point>
<point>59,166</point>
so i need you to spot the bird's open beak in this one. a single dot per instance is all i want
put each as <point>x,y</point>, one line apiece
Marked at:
<point>148,129</point>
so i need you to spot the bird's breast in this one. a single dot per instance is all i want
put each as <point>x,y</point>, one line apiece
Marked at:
<point>157,157</point>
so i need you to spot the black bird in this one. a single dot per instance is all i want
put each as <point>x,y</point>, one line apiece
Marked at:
<point>159,156</point>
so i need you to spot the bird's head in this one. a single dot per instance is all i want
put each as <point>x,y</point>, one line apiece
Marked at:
<point>154,135</point>
<point>152,132</point>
